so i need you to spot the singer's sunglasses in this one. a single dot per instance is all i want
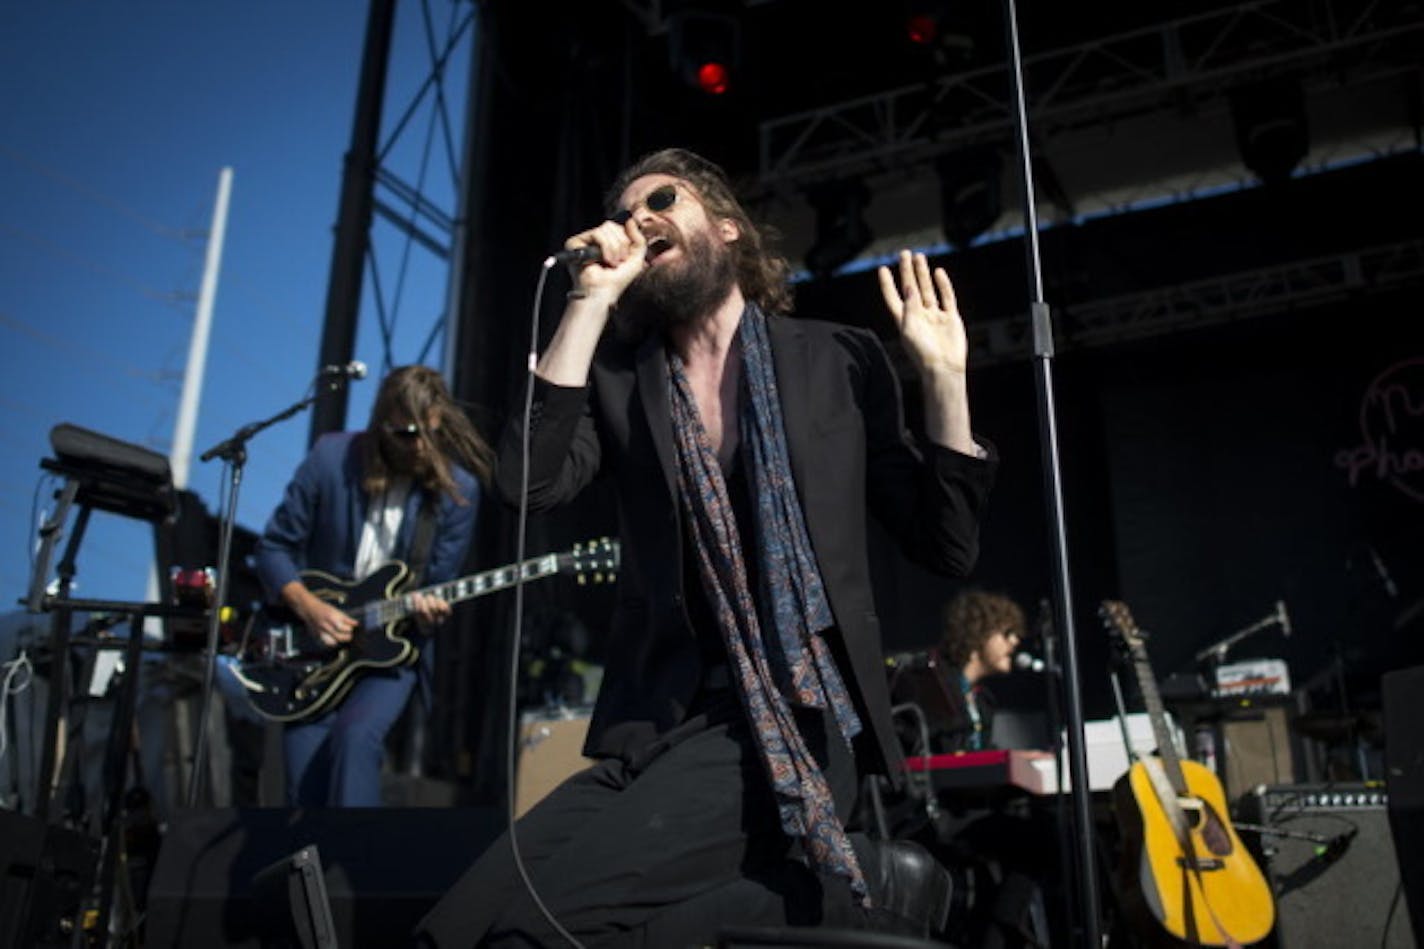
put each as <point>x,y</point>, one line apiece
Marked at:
<point>657,201</point>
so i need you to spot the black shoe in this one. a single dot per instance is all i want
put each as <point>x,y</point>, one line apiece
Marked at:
<point>908,882</point>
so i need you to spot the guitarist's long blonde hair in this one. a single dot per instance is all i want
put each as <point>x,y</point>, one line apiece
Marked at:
<point>416,393</point>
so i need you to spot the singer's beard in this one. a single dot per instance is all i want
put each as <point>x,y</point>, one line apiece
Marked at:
<point>679,293</point>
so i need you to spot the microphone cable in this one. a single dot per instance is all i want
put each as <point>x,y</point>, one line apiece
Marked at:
<point>521,528</point>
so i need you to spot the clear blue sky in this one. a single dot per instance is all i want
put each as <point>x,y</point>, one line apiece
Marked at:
<point>117,118</point>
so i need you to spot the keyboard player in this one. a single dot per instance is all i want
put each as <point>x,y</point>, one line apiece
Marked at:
<point>944,708</point>
<point>981,630</point>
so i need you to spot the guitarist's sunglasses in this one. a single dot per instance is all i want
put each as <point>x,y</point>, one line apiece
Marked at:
<point>407,433</point>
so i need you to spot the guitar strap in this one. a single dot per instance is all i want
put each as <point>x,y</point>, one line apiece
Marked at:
<point>421,540</point>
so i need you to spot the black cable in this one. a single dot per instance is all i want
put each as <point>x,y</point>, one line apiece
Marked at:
<point>520,529</point>
<point>1389,917</point>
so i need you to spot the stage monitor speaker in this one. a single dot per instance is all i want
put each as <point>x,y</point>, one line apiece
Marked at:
<point>292,892</point>
<point>1403,694</point>
<point>1332,867</point>
<point>382,869</point>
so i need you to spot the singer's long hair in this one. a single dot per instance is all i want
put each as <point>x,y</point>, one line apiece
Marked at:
<point>417,394</point>
<point>762,273</point>
<point>971,618</point>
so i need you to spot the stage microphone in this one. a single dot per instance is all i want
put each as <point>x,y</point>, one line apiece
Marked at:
<point>355,369</point>
<point>1283,618</point>
<point>1028,662</point>
<point>587,254</point>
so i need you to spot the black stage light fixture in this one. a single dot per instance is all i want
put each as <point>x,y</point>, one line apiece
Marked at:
<point>704,47</point>
<point>1272,133</point>
<point>970,192</point>
<point>841,231</point>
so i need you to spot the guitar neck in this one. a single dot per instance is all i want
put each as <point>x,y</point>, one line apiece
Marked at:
<point>476,584</point>
<point>1157,714</point>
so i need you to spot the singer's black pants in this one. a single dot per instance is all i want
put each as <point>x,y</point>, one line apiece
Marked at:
<point>663,851</point>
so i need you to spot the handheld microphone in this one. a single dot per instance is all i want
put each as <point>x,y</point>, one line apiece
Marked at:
<point>1028,662</point>
<point>355,369</point>
<point>588,253</point>
<point>1283,618</point>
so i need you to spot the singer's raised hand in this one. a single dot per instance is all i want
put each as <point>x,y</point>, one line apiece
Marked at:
<point>926,312</point>
<point>924,308</point>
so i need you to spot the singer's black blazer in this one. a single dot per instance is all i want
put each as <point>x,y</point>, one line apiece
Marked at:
<point>850,455</point>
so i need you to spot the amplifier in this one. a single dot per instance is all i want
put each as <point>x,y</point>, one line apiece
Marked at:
<point>1330,859</point>
<point>1297,799</point>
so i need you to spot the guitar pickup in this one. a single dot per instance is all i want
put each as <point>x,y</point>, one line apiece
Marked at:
<point>1200,864</point>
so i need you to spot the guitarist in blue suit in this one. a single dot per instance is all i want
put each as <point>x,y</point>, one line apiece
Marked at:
<point>406,488</point>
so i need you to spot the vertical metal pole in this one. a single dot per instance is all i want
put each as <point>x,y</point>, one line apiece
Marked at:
<point>1053,491</point>
<point>353,224</point>
<point>460,242</point>
<point>180,457</point>
<point>180,454</point>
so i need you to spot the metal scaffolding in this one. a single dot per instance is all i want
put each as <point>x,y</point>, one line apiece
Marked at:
<point>406,178</point>
<point>1211,301</point>
<point>1174,66</point>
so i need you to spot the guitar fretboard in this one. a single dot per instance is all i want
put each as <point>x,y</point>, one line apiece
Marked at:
<point>1157,713</point>
<point>465,588</point>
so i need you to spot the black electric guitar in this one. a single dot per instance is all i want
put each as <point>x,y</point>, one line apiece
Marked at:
<point>290,675</point>
<point>1185,873</point>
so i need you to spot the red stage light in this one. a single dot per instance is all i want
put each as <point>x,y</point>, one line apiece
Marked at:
<point>921,28</point>
<point>713,78</point>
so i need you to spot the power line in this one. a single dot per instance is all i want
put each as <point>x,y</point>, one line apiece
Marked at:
<point>166,297</point>
<point>27,329</point>
<point>27,161</point>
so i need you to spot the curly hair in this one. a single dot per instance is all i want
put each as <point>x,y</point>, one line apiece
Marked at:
<point>971,618</point>
<point>415,392</point>
<point>763,274</point>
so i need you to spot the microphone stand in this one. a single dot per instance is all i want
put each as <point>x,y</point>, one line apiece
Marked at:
<point>1053,488</point>
<point>1216,652</point>
<point>233,452</point>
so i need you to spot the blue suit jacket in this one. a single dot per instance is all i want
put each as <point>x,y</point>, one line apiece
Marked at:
<point>318,524</point>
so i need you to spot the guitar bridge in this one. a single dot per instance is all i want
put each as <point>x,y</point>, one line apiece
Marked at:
<point>1200,864</point>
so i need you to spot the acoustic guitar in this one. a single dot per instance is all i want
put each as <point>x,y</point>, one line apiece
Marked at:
<point>290,675</point>
<point>1186,875</point>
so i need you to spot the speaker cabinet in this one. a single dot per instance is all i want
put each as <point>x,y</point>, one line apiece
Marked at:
<point>1257,750</point>
<point>1332,866</point>
<point>383,869</point>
